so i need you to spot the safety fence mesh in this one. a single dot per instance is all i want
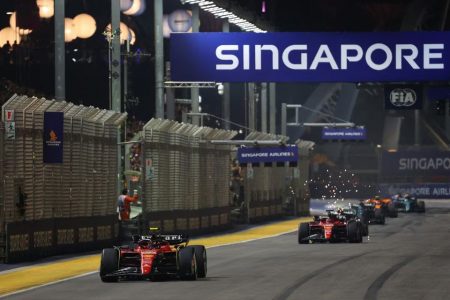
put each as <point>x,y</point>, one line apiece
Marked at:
<point>83,185</point>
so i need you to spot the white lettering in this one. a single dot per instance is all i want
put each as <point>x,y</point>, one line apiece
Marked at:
<point>377,57</point>
<point>372,49</point>
<point>258,56</point>
<point>403,164</point>
<point>345,56</point>
<point>303,57</point>
<point>410,59</point>
<point>227,57</point>
<point>246,57</point>
<point>428,55</point>
<point>328,58</point>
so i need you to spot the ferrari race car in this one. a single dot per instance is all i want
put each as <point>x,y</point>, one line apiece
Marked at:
<point>153,257</point>
<point>338,226</point>
<point>408,203</point>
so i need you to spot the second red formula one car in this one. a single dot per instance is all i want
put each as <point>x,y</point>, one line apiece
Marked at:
<point>336,227</point>
<point>152,257</point>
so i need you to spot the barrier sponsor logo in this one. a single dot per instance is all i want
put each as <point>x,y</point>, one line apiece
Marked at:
<point>33,239</point>
<point>85,234</point>
<point>19,242</point>
<point>314,57</point>
<point>425,190</point>
<point>53,137</point>
<point>344,134</point>
<point>267,154</point>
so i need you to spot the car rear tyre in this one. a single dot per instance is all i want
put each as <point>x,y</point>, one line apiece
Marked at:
<point>364,226</point>
<point>392,210</point>
<point>354,233</point>
<point>379,216</point>
<point>201,260</point>
<point>303,232</point>
<point>109,263</point>
<point>420,206</point>
<point>187,263</point>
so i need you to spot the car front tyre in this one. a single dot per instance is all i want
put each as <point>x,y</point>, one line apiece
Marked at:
<point>109,263</point>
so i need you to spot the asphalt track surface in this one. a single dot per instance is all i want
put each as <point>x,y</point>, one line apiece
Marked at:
<point>408,258</point>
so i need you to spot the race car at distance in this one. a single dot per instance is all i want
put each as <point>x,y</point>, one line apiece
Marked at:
<point>372,212</point>
<point>337,226</point>
<point>362,214</point>
<point>408,203</point>
<point>386,204</point>
<point>152,257</point>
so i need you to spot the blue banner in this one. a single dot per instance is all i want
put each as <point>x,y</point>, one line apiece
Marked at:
<point>310,57</point>
<point>402,97</point>
<point>267,154</point>
<point>416,163</point>
<point>438,93</point>
<point>344,133</point>
<point>422,190</point>
<point>53,137</point>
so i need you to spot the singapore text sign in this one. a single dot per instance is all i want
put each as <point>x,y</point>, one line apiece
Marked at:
<point>416,163</point>
<point>322,57</point>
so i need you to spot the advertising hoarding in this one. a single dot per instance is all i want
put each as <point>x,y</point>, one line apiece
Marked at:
<point>344,133</point>
<point>416,163</point>
<point>310,56</point>
<point>267,154</point>
<point>53,137</point>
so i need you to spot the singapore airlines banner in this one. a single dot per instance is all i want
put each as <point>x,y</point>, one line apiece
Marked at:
<point>319,57</point>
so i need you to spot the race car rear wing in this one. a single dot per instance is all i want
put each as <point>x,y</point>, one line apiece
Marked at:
<point>173,239</point>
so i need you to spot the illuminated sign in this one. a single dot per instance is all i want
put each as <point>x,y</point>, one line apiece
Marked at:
<point>322,57</point>
<point>358,133</point>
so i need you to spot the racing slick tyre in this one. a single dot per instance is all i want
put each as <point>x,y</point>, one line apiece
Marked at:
<point>187,263</point>
<point>109,263</point>
<point>303,232</point>
<point>201,260</point>
<point>364,226</point>
<point>379,216</point>
<point>392,210</point>
<point>354,233</point>
<point>420,207</point>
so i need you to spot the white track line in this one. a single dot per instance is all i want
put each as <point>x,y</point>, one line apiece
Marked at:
<point>46,284</point>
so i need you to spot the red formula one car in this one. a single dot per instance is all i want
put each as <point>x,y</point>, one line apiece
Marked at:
<point>338,226</point>
<point>152,257</point>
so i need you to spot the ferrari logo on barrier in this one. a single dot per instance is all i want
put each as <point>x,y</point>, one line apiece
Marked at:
<point>9,115</point>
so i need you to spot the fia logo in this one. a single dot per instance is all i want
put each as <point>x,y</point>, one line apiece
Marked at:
<point>403,97</point>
